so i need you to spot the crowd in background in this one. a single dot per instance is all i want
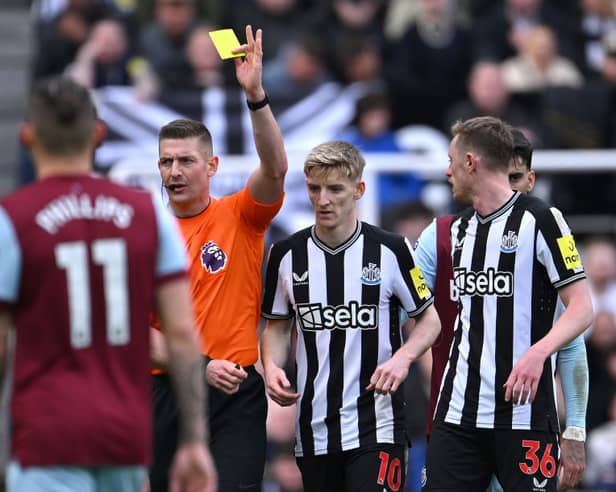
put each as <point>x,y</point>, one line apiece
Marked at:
<point>546,66</point>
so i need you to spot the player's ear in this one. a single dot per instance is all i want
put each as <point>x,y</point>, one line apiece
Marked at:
<point>360,189</point>
<point>100,132</point>
<point>26,135</point>
<point>212,165</point>
<point>470,161</point>
<point>531,180</point>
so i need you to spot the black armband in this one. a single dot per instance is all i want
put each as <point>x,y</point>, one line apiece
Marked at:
<point>254,106</point>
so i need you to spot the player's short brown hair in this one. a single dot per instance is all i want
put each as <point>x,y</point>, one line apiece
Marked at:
<point>63,116</point>
<point>487,136</point>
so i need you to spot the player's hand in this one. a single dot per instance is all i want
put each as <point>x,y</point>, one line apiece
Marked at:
<point>388,377</point>
<point>249,69</point>
<point>193,470</point>
<point>278,386</point>
<point>521,385</point>
<point>225,375</point>
<point>572,464</point>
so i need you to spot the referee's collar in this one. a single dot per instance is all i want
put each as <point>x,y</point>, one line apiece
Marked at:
<point>341,247</point>
<point>500,211</point>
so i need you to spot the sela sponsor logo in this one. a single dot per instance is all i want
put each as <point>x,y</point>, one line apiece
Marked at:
<point>539,486</point>
<point>509,242</point>
<point>213,259</point>
<point>316,317</point>
<point>569,252</point>
<point>489,282</point>
<point>300,279</point>
<point>371,274</point>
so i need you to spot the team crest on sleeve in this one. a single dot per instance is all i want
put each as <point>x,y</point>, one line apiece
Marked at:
<point>213,258</point>
<point>569,252</point>
<point>419,282</point>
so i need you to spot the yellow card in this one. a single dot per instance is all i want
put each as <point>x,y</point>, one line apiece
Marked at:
<point>225,40</point>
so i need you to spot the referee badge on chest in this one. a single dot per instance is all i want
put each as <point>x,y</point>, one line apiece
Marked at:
<point>213,258</point>
<point>371,274</point>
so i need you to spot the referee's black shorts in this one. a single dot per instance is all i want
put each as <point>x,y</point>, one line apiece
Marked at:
<point>237,434</point>
<point>464,459</point>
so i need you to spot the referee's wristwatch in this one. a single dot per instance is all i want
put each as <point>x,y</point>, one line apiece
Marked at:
<point>574,434</point>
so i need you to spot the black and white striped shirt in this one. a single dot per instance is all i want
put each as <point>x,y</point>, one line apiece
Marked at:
<point>508,268</point>
<point>346,304</point>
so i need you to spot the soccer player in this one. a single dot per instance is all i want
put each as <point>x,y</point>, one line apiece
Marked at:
<point>433,255</point>
<point>514,260</point>
<point>343,282</point>
<point>225,242</point>
<point>83,261</point>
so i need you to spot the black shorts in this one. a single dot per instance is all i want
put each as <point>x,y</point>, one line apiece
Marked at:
<point>464,459</point>
<point>237,434</point>
<point>378,468</point>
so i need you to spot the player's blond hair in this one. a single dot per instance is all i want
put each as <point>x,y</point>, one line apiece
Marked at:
<point>335,155</point>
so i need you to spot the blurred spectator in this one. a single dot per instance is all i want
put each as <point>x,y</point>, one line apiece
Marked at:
<point>489,97</point>
<point>538,65</point>
<point>342,19</point>
<point>600,472</point>
<point>371,127</point>
<point>408,219</point>
<point>210,10</point>
<point>501,32</point>
<point>599,256</point>
<point>601,352</point>
<point>207,69</point>
<point>297,70</point>
<point>163,41</point>
<point>425,68</point>
<point>598,21</point>
<point>103,59</point>
<point>359,59</point>
<point>279,19</point>
<point>608,68</point>
<point>58,37</point>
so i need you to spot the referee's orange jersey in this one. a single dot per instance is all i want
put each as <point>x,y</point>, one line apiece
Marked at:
<point>225,252</point>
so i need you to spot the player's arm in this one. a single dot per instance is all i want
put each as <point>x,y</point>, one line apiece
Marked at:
<point>425,254</point>
<point>420,335</point>
<point>266,183</point>
<point>193,464</point>
<point>159,356</point>
<point>577,317</point>
<point>10,275</point>
<point>573,369</point>
<point>5,326</point>
<point>275,341</point>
